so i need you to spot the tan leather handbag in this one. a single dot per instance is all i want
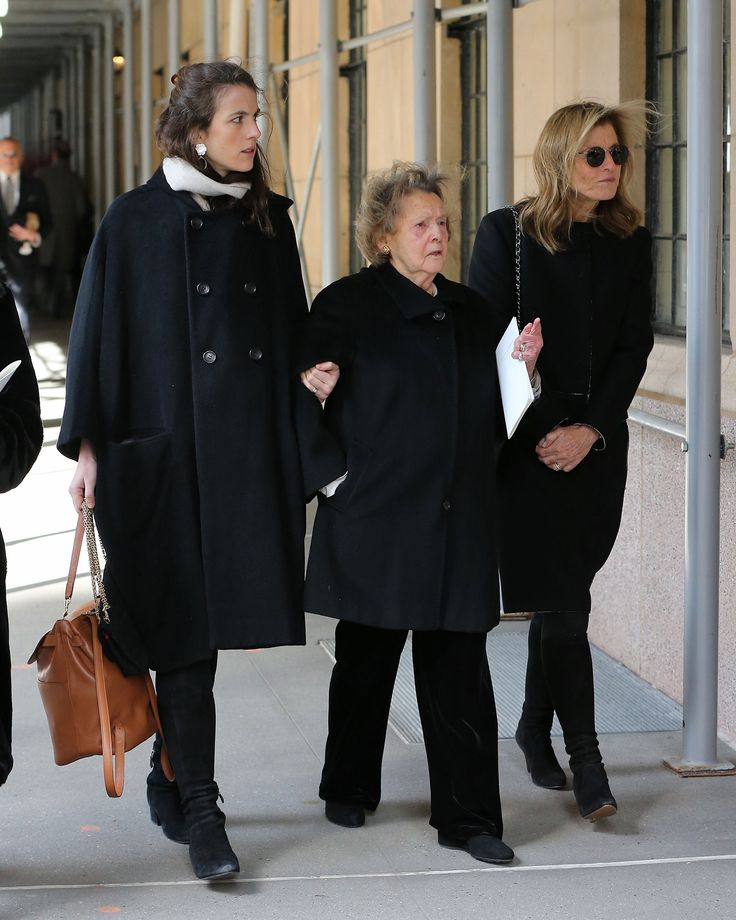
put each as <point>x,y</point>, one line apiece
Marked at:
<point>91,707</point>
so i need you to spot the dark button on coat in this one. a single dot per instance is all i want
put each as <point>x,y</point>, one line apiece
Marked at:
<point>414,415</point>
<point>594,301</point>
<point>199,498</point>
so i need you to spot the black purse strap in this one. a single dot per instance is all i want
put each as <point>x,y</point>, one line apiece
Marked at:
<point>517,263</point>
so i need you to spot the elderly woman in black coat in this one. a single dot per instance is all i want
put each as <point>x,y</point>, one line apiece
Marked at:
<point>406,539</point>
<point>585,269</point>
<point>21,435</point>
<point>180,398</point>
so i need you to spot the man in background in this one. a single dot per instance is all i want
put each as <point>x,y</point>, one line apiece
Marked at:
<point>60,255</point>
<point>24,219</point>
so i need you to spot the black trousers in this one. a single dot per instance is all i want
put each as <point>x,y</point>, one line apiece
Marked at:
<point>458,713</point>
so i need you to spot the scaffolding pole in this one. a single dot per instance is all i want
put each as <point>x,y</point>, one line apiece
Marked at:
<point>500,100</point>
<point>146,91</point>
<point>173,45</point>
<point>703,396</point>
<point>329,171</point>
<point>259,18</point>
<point>425,88</point>
<point>209,12</point>
<point>128,100</point>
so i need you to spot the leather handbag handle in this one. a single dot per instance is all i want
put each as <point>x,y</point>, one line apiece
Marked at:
<point>113,769</point>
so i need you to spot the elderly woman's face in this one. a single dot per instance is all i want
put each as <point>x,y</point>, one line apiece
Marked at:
<point>418,243</point>
<point>595,183</point>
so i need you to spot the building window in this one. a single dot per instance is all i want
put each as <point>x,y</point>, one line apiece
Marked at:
<point>471,34</point>
<point>355,73</point>
<point>667,162</point>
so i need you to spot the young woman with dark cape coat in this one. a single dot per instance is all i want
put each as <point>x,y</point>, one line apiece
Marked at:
<point>180,400</point>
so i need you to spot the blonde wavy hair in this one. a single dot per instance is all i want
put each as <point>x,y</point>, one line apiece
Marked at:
<point>381,203</point>
<point>548,216</point>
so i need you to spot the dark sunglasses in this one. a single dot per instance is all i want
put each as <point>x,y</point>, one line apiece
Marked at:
<point>596,156</point>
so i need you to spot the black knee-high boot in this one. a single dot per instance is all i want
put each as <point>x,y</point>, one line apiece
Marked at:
<point>568,669</point>
<point>535,725</point>
<point>187,710</point>
<point>164,800</point>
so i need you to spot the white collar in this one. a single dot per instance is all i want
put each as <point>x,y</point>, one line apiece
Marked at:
<point>183,177</point>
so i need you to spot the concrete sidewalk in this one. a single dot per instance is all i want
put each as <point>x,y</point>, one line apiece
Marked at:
<point>67,851</point>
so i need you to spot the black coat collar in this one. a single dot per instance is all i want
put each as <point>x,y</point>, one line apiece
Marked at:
<point>412,300</point>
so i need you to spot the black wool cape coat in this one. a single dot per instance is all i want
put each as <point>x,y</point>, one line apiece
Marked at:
<point>21,435</point>
<point>594,299</point>
<point>408,540</point>
<point>180,372</point>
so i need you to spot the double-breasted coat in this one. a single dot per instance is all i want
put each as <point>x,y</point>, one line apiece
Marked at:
<point>408,540</point>
<point>180,373</point>
<point>21,435</point>
<point>557,529</point>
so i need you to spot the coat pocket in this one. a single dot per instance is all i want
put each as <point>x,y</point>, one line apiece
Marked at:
<point>358,460</point>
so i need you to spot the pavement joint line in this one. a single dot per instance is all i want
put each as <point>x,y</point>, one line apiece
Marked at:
<point>348,876</point>
<point>285,708</point>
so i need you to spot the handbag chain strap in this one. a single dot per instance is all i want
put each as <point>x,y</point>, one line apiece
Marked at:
<point>517,263</point>
<point>102,607</point>
<point>86,528</point>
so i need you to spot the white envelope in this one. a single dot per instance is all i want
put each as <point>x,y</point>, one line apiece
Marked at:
<point>516,390</point>
<point>7,372</point>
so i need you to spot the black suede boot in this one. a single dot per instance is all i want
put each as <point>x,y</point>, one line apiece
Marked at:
<point>535,725</point>
<point>187,710</point>
<point>164,800</point>
<point>568,668</point>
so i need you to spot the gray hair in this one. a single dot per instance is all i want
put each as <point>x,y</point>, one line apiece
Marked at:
<point>381,203</point>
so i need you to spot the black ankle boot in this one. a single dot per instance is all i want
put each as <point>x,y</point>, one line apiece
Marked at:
<point>541,761</point>
<point>210,852</point>
<point>164,800</point>
<point>592,792</point>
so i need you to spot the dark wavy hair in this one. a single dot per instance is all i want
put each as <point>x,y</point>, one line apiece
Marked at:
<point>192,106</point>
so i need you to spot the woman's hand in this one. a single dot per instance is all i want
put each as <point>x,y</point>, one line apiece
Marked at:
<point>528,344</point>
<point>321,379</point>
<point>84,480</point>
<point>562,449</point>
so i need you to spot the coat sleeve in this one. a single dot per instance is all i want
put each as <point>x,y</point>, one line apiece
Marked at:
<point>325,339</point>
<point>81,418</point>
<point>21,430</point>
<point>612,397</point>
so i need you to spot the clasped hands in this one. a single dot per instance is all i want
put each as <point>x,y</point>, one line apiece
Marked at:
<point>563,448</point>
<point>321,378</point>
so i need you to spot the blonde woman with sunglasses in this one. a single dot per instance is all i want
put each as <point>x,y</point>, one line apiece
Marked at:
<point>576,256</point>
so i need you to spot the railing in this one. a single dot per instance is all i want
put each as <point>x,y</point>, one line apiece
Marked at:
<point>673,429</point>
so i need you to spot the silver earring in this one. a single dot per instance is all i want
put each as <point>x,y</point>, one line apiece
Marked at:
<point>201,150</point>
<point>386,251</point>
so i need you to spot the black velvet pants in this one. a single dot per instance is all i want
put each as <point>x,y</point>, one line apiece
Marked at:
<point>458,714</point>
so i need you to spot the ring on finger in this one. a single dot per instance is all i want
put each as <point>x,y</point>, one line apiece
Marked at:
<point>557,467</point>
<point>522,348</point>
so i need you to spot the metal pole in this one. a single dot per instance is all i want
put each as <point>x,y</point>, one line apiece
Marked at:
<point>500,100</point>
<point>329,166</point>
<point>702,477</point>
<point>174,40</point>
<point>79,153</point>
<point>209,11</point>
<point>96,128</point>
<point>259,32</point>
<point>425,89</point>
<point>146,91</point>
<point>108,109</point>
<point>128,101</point>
